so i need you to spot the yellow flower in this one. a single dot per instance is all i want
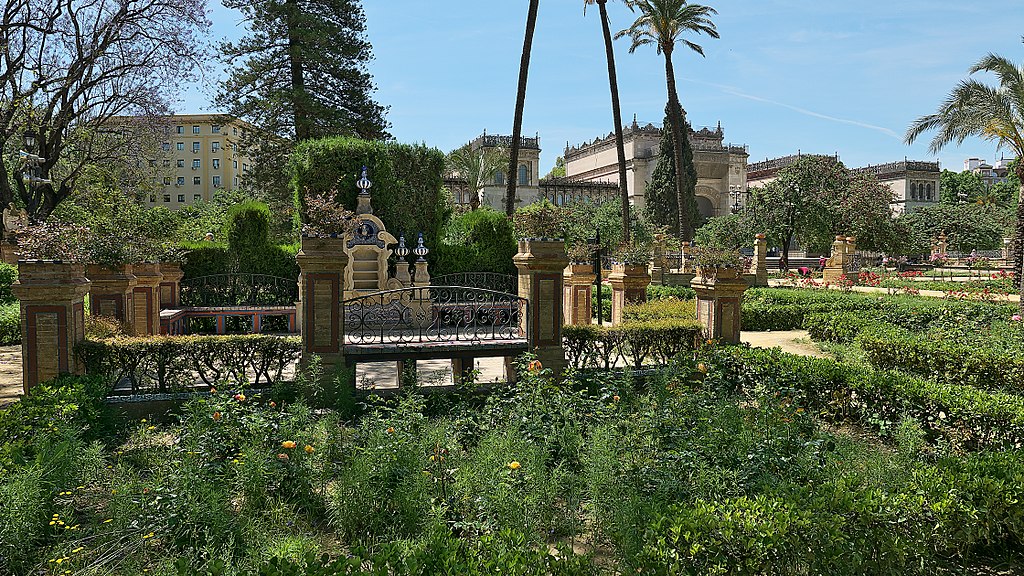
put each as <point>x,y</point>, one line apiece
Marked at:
<point>288,444</point>
<point>108,520</point>
<point>151,428</point>
<point>216,416</point>
<point>391,429</point>
<point>148,536</point>
<point>77,550</point>
<point>513,465</point>
<point>702,368</point>
<point>52,522</point>
<point>536,366</point>
<point>143,420</point>
<point>308,449</point>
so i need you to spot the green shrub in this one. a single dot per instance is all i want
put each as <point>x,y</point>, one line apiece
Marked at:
<point>477,241</point>
<point>840,327</point>
<point>8,275</point>
<point>661,310</point>
<point>10,324</point>
<point>653,338</point>
<point>662,292</point>
<point>247,227</point>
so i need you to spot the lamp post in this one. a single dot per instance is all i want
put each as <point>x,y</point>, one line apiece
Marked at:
<point>736,193</point>
<point>31,162</point>
<point>596,242</point>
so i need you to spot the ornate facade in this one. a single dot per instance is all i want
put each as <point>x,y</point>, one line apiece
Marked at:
<point>721,168</point>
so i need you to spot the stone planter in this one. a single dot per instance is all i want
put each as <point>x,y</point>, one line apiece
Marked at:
<point>578,293</point>
<point>719,302</point>
<point>111,292</point>
<point>629,286</point>
<point>541,263</point>
<point>170,285</point>
<point>52,296</point>
<point>146,298</point>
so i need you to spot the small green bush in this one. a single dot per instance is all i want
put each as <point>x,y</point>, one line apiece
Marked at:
<point>662,292</point>
<point>477,241</point>
<point>652,338</point>
<point>247,227</point>
<point>10,324</point>
<point>8,275</point>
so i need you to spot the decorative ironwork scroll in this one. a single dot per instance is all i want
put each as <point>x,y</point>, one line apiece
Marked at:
<point>239,290</point>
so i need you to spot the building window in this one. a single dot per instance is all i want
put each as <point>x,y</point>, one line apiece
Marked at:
<point>195,147</point>
<point>197,198</point>
<point>929,189</point>
<point>216,181</point>
<point>196,164</point>
<point>152,198</point>
<point>215,129</point>
<point>215,147</point>
<point>234,164</point>
<point>216,163</point>
<point>181,163</point>
<point>524,175</point>
<point>234,131</point>
<point>167,197</point>
<point>195,180</point>
<point>181,180</point>
<point>166,146</point>
<point>499,178</point>
<point>179,129</point>
<point>181,146</point>
<point>152,163</point>
<point>167,163</point>
<point>181,198</point>
<point>195,129</point>
<point>234,181</point>
<point>913,190</point>
<point>167,180</point>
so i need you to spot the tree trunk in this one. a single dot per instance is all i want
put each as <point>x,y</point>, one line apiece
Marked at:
<point>1018,242</point>
<point>295,65</point>
<point>620,146</point>
<point>517,120</point>
<point>784,260</point>
<point>676,115</point>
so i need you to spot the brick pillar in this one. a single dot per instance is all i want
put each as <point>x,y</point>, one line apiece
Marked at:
<point>578,293</point>
<point>719,302</point>
<point>8,252</point>
<point>146,298</point>
<point>760,264</point>
<point>836,265</point>
<point>52,296</point>
<point>111,292</point>
<point>170,285</point>
<point>541,263</point>
<point>322,263</point>
<point>629,286</point>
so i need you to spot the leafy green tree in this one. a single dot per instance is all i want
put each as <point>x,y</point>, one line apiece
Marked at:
<point>995,113</point>
<point>661,198</point>
<point>953,184</point>
<point>731,232</point>
<point>558,170</point>
<point>663,23</point>
<point>1006,192</point>
<point>517,119</point>
<point>613,85</point>
<point>967,226</point>
<point>301,72</point>
<point>477,167</point>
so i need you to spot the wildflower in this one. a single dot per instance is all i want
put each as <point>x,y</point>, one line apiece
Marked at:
<point>1016,318</point>
<point>216,416</point>
<point>702,368</point>
<point>391,429</point>
<point>282,456</point>
<point>308,449</point>
<point>513,465</point>
<point>143,420</point>
<point>536,366</point>
<point>151,428</point>
<point>77,550</point>
<point>615,398</point>
<point>273,404</point>
<point>108,520</point>
<point>239,397</point>
<point>148,536</point>
<point>52,522</point>
<point>942,415</point>
<point>213,390</point>
<point>288,444</point>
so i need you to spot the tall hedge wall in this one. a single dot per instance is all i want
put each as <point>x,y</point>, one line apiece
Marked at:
<point>407,181</point>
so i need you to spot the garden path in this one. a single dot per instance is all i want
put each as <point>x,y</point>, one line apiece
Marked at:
<point>791,341</point>
<point>783,283</point>
<point>10,374</point>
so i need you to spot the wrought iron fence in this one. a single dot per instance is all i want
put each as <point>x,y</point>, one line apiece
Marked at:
<point>434,314</point>
<point>486,280</point>
<point>239,290</point>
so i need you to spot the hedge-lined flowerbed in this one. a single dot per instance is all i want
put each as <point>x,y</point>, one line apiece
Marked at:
<point>660,340</point>
<point>962,416</point>
<point>176,363</point>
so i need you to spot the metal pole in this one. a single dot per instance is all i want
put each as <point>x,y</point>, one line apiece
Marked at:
<point>597,272</point>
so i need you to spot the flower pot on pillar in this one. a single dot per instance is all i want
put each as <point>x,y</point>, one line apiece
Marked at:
<point>146,298</point>
<point>629,286</point>
<point>322,263</point>
<point>52,296</point>
<point>111,292</point>
<point>170,285</point>
<point>541,263</point>
<point>578,293</point>
<point>719,302</point>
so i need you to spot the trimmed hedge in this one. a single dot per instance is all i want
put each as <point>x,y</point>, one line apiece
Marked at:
<point>947,360</point>
<point>481,241</point>
<point>660,292</point>
<point>8,274</point>
<point>10,324</point>
<point>593,346</point>
<point>838,326</point>
<point>964,417</point>
<point>206,259</point>
<point>661,310</point>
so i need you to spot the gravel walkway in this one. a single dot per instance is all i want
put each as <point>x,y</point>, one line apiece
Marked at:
<point>10,374</point>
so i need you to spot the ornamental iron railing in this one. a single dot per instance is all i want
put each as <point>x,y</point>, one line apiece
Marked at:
<point>239,290</point>
<point>487,280</point>
<point>435,314</point>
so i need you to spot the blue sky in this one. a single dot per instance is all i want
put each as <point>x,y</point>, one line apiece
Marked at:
<point>821,76</point>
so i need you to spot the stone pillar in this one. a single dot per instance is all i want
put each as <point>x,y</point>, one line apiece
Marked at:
<point>836,265</point>
<point>658,260</point>
<point>541,263</point>
<point>322,263</point>
<point>146,299</point>
<point>170,285</point>
<point>719,303</point>
<point>759,267</point>
<point>943,245</point>
<point>52,296</point>
<point>629,286</point>
<point>687,259</point>
<point>111,293</point>
<point>578,293</point>
<point>1008,251</point>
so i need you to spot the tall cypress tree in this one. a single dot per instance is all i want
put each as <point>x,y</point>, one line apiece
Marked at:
<point>301,72</point>
<point>661,197</point>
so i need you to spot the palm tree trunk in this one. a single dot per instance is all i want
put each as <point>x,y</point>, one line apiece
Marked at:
<point>1018,242</point>
<point>676,115</point>
<point>517,121</point>
<point>620,146</point>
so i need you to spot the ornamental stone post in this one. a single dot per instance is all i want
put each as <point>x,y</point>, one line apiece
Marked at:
<point>52,296</point>
<point>170,285</point>
<point>1008,251</point>
<point>720,302</point>
<point>836,265</point>
<point>760,263</point>
<point>687,259</point>
<point>658,260</point>
<point>629,286</point>
<point>578,293</point>
<point>146,299</point>
<point>111,292</point>
<point>541,263</point>
<point>322,263</point>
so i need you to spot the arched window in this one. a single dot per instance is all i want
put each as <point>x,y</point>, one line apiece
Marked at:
<point>524,175</point>
<point>499,178</point>
<point>929,190</point>
<point>913,191</point>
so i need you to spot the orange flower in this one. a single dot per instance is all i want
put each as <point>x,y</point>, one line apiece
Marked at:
<point>288,444</point>
<point>308,449</point>
<point>213,390</point>
<point>216,416</point>
<point>282,456</point>
<point>391,429</point>
<point>240,397</point>
<point>273,404</point>
<point>615,398</point>
<point>536,366</point>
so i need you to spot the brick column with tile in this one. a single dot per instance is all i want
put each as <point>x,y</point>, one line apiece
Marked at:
<point>578,293</point>
<point>322,263</point>
<point>720,302</point>
<point>629,286</point>
<point>146,298</point>
<point>170,285</point>
<point>541,263</point>
<point>52,296</point>
<point>111,292</point>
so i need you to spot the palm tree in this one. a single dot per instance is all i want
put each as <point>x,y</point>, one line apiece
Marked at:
<point>613,84</point>
<point>477,167</point>
<point>663,23</point>
<point>517,121</point>
<point>995,113</point>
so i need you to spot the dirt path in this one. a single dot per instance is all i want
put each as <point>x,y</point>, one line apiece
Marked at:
<point>10,374</point>
<point>791,341</point>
